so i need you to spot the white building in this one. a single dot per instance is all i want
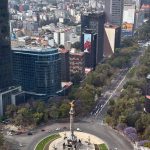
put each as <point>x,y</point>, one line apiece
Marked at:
<point>129,13</point>
<point>61,36</point>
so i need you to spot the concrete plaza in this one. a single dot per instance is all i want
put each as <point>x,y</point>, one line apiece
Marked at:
<point>84,137</point>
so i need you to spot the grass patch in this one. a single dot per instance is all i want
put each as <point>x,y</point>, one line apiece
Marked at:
<point>48,139</point>
<point>102,147</point>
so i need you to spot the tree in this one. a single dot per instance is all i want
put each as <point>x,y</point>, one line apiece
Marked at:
<point>76,45</point>
<point>11,110</point>
<point>147,144</point>
<point>54,112</point>
<point>147,133</point>
<point>61,46</point>
<point>128,42</point>
<point>37,117</point>
<point>76,78</point>
<point>1,140</point>
<point>143,33</point>
<point>64,110</point>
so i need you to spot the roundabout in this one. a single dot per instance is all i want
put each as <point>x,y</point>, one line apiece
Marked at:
<point>88,126</point>
<point>71,140</point>
<point>86,141</point>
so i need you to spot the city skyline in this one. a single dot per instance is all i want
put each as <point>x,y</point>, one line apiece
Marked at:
<point>93,55</point>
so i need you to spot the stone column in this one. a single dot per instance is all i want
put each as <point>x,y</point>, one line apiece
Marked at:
<point>72,121</point>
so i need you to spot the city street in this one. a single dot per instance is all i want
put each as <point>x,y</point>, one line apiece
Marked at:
<point>92,124</point>
<point>111,137</point>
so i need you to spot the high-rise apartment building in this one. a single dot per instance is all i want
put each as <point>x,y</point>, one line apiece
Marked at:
<point>65,66</point>
<point>77,63</point>
<point>114,11</point>
<point>37,70</point>
<point>5,50</point>
<point>94,22</point>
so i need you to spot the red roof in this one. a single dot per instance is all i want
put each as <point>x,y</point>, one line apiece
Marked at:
<point>145,6</point>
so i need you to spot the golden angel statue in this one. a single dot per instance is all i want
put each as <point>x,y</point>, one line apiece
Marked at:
<point>72,103</point>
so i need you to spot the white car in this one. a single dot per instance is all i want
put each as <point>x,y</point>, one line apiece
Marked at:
<point>78,129</point>
<point>57,129</point>
<point>9,133</point>
<point>20,145</point>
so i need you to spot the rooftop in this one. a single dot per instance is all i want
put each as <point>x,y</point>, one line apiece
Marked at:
<point>108,25</point>
<point>44,51</point>
<point>36,49</point>
<point>63,50</point>
<point>148,97</point>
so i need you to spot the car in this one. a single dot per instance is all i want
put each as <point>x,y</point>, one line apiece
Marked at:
<point>78,129</point>
<point>64,128</point>
<point>29,133</point>
<point>20,145</point>
<point>18,133</point>
<point>42,130</point>
<point>57,129</point>
<point>9,133</point>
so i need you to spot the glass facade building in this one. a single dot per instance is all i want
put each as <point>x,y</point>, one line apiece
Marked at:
<point>37,70</point>
<point>94,22</point>
<point>5,50</point>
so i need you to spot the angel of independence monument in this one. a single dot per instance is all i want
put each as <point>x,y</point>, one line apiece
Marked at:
<point>69,141</point>
<point>72,139</point>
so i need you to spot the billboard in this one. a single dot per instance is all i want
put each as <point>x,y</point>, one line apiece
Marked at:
<point>87,42</point>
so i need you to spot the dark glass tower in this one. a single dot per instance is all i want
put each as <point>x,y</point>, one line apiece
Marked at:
<point>94,22</point>
<point>37,70</point>
<point>5,50</point>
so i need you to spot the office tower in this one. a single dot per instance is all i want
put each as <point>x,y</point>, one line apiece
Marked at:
<point>7,91</point>
<point>37,70</point>
<point>114,11</point>
<point>95,22</point>
<point>138,4</point>
<point>5,50</point>
<point>89,46</point>
<point>65,69</point>
<point>111,39</point>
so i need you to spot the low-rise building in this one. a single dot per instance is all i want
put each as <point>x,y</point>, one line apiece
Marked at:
<point>13,95</point>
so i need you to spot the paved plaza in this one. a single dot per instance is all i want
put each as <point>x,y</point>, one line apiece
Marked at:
<point>84,137</point>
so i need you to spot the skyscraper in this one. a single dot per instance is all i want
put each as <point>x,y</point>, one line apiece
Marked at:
<point>65,68</point>
<point>94,22</point>
<point>89,47</point>
<point>114,11</point>
<point>5,50</point>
